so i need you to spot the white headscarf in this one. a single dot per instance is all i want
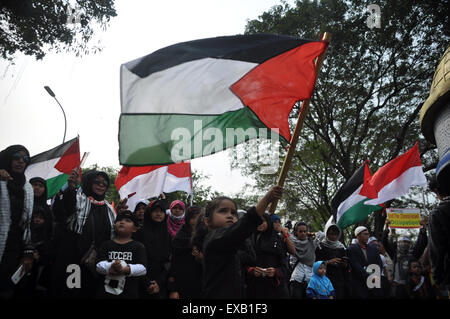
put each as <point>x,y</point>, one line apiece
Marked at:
<point>333,244</point>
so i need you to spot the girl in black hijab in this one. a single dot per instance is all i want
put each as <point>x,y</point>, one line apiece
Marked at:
<point>157,241</point>
<point>16,207</point>
<point>38,281</point>
<point>185,280</point>
<point>89,219</point>
<point>40,204</point>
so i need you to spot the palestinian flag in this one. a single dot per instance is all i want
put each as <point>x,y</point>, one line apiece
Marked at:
<point>349,204</point>
<point>150,181</point>
<point>396,177</point>
<point>55,165</point>
<point>196,98</point>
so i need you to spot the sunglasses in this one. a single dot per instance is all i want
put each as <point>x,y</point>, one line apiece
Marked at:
<point>101,183</point>
<point>18,156</point>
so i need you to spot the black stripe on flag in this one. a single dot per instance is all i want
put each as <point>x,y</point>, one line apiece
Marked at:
<point>55,152</point>
<point>255,48</point>
<point>349,187</point>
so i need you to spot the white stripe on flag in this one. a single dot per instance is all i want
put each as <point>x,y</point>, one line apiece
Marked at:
<point>195,87</point>
<point>174,183</point>
<point>400,186</point>
<point>352,200</point>
<point>145,185</point>
<point>45,169</point>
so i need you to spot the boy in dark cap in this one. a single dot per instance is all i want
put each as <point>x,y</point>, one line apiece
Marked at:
<point>122,260</point>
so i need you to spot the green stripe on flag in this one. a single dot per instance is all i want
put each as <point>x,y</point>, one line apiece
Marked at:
<point>54,184</point>
<point>151,139</point>
<point>356,214</point>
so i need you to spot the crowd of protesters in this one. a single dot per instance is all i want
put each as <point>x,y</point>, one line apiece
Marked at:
<point>170,251</point>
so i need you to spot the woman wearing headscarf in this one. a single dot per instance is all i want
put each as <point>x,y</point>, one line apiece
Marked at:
<point>16,208</point>
<point>334,254</point>
<point>139,211</point>
<point>89,221</point>
<point>38,280</point>
<point>185,279</point>
<point>176,217</point>
<point>268,277</point>
<point>157,241</point>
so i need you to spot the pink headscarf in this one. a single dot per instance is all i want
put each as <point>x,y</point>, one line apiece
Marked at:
<point>174,223</point>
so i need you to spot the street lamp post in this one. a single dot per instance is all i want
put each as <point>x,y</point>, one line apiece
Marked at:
<point>49,91</point>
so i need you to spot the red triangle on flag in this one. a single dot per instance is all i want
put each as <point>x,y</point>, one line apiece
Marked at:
<point>272,88</point>
<point>390,172</point>
<point>70,159</point>
<point>368,190</point>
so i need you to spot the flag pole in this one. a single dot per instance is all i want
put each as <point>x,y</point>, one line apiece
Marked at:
<point>298,127</point>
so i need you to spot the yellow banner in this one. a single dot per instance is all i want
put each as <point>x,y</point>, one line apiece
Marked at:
<point>403,217</point>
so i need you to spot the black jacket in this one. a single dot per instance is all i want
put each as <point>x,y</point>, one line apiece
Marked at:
<point>222,277</point>
<point>157,241</point>
<point>359,275</point>
<point>270,251</point>
<point>339,274</point>
<point>440,243</point>
<point>185,272</point>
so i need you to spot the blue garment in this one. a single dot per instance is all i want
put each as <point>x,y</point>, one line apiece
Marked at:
<point>319,287</point>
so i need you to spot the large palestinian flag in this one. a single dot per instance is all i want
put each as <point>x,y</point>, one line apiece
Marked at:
<point>196,98</point>
<point>349,204</point>
<point>55,165</point>
<point>150,181</point>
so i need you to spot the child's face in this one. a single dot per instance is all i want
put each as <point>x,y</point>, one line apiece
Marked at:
<point>158,214</point>
<point>38,189</point>
<point>322,270</point>
<point>177,210</point>
<point>263,227</point>
<point>140,210</point>
<point>38,219</point>
<point>193,220</point>
<point>125,227</point>
<point>416,268</point>
<point>224,215</point>
<point>277,226</point>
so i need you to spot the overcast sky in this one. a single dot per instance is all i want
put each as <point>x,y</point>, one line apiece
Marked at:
<point>88,86</point>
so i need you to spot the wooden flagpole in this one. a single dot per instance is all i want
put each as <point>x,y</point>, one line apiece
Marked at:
<point>298,127</point>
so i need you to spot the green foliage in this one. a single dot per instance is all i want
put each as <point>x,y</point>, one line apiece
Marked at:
<point>35,26</point>
<point>367,98</point>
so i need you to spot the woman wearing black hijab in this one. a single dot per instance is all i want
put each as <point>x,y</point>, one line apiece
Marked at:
<point>16,207</point>
<point>88,219</point>
<point>267,279</point>
<point>157,241</point>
